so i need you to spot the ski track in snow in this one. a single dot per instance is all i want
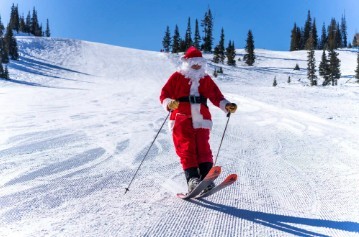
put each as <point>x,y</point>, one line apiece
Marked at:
<point>85,116</point>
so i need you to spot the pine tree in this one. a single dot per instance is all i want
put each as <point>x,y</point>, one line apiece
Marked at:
<point>296,68</point>
<point>11,44</point>
<point>47,32</point>
<point>207,24</point>
<point>4,55</point>
<point>166,42</point>
<point>176,41</point>
<point>357,70</point>
<point>334,67</point>
<point>22,25</point>
<point>311,62</point>
<point>307,30</point>
<point>41,32</point>
<point>314,34</point>
<point>197,37</point>
<point>344,34</point>
<point>215,73</point>
<point>355,41</point>
<point>14,18</point>
<point>2,74</point>
<point>216,54</point>
<point>35,27</point>
<point>183,46</point>
<point>231,54</point>
<point>219,54</point>
<point>323,38</point>
<point>188,36</point>
<point>221,47</point>
<point>332,29</point>
<point>1,49</point>
<point>296,42</point>
<point>275,82</point>
<point>289,80</point>
<point>6,73</point>
<point>324,68</point>
<point>300,38</point>
<point>28,23</point>
<point>338,37</point>
<point>294,45</point>
<point>249,57</point>
<point>2,28</point>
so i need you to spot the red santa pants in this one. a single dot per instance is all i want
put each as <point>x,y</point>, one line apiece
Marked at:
<point>192,145</point>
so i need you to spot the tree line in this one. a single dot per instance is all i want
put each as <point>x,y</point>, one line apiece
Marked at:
<point>176,43</point>
<point>29,25</point>
<point>334,36</point>
<point>329,67</point>
<point>8,43</point>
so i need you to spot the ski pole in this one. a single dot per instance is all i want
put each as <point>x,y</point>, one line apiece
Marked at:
<point>220,144</point>
<point>128,187</point>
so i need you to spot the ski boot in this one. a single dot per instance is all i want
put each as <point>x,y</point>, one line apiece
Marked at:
<point>192,177</point>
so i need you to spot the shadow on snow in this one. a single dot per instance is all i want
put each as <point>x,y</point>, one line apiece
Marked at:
<point>33,63</point>
<point>58,167</point>
<point>34,84</point>
<point>281,222</point>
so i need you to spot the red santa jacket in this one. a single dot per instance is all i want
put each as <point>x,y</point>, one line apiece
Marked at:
<point>179,86</point>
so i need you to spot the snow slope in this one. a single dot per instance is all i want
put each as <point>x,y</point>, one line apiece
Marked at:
<point>77,118</point>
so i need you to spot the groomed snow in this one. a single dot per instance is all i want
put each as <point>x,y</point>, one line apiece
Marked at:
<point>77,118</point>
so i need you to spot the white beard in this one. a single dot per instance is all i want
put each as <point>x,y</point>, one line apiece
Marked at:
<point>193,74</point>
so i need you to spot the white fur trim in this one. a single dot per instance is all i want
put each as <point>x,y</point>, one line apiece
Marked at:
<point>222,105</point>
<point>198,60</point>
<point>165,103</point>
<point>197,117</point>
<point>205,123</point>
<point>171,124</point>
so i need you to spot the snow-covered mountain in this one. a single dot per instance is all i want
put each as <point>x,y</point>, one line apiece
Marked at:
<point>78,117</point>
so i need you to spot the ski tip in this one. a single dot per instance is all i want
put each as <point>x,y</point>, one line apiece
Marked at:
<point>232,177</point>
<point>217,169</point>
<point>182,196</point>
<point>213,173</point>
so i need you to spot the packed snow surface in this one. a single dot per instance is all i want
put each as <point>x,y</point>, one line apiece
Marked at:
<point>78,117</point>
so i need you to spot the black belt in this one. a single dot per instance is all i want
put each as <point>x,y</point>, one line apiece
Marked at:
<point>193,99</point>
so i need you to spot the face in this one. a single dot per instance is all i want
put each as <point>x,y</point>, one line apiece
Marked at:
<point>196,66</point>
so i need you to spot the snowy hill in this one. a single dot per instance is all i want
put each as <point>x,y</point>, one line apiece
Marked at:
<point>77,118</point>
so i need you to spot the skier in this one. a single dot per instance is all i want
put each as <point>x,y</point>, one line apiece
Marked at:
<point>185,94</point>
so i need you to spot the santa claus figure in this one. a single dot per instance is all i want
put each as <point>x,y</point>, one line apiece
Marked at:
<point>185,94</point>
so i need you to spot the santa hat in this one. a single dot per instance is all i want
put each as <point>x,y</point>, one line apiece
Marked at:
<point>193,56</point>
<point>192,52</point>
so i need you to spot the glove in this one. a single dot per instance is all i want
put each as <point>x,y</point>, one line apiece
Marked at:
<point>231,107</point>
<point>173,104</point>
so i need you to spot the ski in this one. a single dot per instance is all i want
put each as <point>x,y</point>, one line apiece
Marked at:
<point>230,179</point>
<point>210,177</point>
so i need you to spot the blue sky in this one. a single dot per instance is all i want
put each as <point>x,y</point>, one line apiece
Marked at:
<point>141,24</point>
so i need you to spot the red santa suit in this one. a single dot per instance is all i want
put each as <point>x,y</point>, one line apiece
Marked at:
<point>191,121</point>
